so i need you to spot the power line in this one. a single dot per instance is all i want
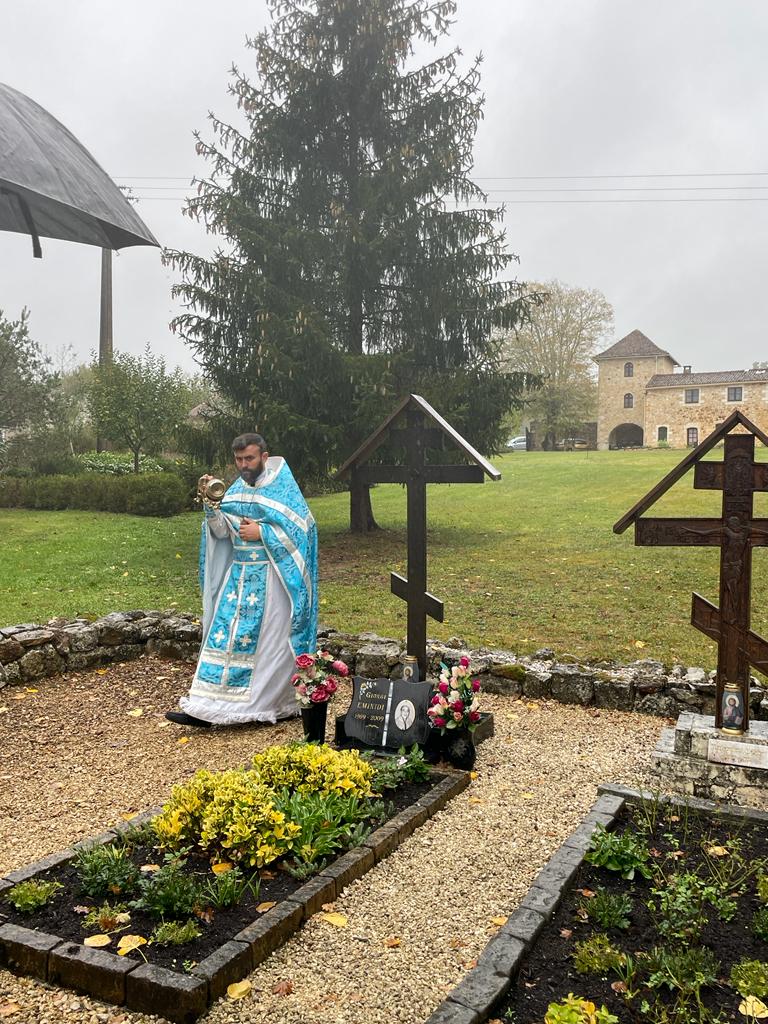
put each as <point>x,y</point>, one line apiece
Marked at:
<point>522,202</point>
<point>516,177</point>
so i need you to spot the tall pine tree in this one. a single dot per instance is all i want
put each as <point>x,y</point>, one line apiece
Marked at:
<point>354,267</point>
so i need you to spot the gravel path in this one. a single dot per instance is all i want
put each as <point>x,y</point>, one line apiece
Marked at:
<point>75,760</point>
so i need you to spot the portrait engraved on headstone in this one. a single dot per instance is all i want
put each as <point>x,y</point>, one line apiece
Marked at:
<point>388,713</point>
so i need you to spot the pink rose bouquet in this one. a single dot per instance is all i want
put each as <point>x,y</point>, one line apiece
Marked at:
<point>455,704</point>
<point>317,677</point>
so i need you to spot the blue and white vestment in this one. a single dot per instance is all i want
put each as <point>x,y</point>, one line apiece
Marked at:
<point>259,601</point>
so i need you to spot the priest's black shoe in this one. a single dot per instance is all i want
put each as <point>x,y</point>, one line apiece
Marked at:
<point>182,718</point>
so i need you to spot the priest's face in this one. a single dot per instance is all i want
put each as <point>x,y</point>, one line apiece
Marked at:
<point>250,462</point>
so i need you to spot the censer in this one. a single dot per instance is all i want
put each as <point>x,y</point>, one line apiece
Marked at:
<point>210,491</point>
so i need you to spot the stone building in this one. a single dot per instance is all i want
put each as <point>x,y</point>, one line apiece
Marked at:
<point>643,398</point>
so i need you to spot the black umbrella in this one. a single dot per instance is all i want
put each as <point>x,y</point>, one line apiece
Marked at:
<point>50,185</point>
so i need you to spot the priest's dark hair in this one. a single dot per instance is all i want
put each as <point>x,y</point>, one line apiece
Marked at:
<point>243,440</point>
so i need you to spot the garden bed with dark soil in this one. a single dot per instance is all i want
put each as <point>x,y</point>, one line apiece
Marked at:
<point>124,961</point>
<point>681,930</point>
<point>64,915</point>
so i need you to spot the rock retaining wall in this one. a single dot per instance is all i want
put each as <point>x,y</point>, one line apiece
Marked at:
<point>31,651</point>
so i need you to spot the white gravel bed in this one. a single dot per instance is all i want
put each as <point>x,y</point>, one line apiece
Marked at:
<point>74,761</point>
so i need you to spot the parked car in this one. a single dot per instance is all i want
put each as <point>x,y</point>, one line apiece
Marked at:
<point>517,444</point>
<point>572,444</point>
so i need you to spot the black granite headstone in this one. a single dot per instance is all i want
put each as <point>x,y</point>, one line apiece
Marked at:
<point>388,713</point>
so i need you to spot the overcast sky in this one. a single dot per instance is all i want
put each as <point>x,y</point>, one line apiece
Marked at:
<point>670,97</point>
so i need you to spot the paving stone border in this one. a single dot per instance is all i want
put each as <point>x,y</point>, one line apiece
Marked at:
<point>31,651</point>
<point>183,998</point>
<point>473,1000</point>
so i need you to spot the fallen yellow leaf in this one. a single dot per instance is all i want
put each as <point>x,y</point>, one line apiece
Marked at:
<point>129,942</point>
<point>532,706</point>
<point>101,671</point>
<point>476,800</point>
<point>163,725</point>
<point>264,907</point>
<point>498,921</point>
<point>221,868</point>
<point>392,942</point>
<point>239,989</point>
<point>31,689</point>
<point>639,643</point>
<point>128,815</point>
<point>717,851</point>
<point>527,796</point>
<point>182,740</point>
<point>337,920</point>
<point>97,941</point>
<point>149,869</point>
<point>136,713</point>
<point>753,1007</point>
<point>473,775</point>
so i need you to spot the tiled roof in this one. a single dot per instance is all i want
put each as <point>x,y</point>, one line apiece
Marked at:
<point>690,380</point>
<point>634,346</point>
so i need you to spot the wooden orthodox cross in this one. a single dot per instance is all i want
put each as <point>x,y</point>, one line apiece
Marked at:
<point>738,476</point>
<point>424,429</point>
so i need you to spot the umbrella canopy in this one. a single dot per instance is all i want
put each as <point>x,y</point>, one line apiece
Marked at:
<point>51,186</point>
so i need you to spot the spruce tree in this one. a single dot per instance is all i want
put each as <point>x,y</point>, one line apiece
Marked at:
<point>354,267</point>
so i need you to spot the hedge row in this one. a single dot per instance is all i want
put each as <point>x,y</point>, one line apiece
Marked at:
<point>149,494</point>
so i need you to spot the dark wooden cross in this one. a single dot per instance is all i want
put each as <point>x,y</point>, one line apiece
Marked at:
<point>738,476</point>
<point>424,429</point>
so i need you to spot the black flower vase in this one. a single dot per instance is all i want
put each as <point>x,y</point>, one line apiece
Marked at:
<point>313,719</point>
<point>460,748</point>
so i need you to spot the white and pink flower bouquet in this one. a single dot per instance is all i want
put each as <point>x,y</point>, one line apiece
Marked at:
<point>317,677</point>
<point>455,705</point>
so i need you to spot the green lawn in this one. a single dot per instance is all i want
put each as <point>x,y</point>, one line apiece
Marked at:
<point>525,562</point>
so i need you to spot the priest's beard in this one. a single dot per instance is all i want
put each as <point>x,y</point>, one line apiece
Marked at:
<point>252,475</point>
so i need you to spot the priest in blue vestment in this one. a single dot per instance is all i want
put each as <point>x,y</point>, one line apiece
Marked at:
<point>258,575</point>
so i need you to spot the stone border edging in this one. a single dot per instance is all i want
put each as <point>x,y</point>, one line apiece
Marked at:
<point>183,998</point>
<point>31,651</point>
<point>482,988</point>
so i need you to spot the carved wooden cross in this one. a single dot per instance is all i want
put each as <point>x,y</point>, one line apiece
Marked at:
<point>736,533</point>
<point>416,437</point>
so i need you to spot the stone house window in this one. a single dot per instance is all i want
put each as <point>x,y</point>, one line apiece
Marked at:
<point>734,394</point>
<point>629,370</point>
<point>629,401</point>
<point>691,396</point>
<point>662,434</point>
<point>692,436</point>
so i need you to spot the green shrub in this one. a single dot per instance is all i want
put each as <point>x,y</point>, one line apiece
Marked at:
<point>681,903</point>
<point>759,925</point>
<point>170,892</point>
<point>750,978</point>
<point>327,822</point>
<point>686,971</point>
<point>392,772</point>
<point>574,1010</point>
<point>109,917</point>
<point>625,853</point>
<point>232,813</point>
<point>33,894</point>
<point>762,887</point>
<point>115,463</point>
<point>596,955</point>
<point>314,768</point>
<point>609,910</point>
<point>153,494</point>
<point>105,871</point>
<point>172,933</point>
<point>228,888</point>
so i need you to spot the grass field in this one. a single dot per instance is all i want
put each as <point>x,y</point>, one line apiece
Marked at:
<point>525,562</point>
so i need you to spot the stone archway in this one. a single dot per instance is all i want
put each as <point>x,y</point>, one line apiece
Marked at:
<point>626,435</point>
